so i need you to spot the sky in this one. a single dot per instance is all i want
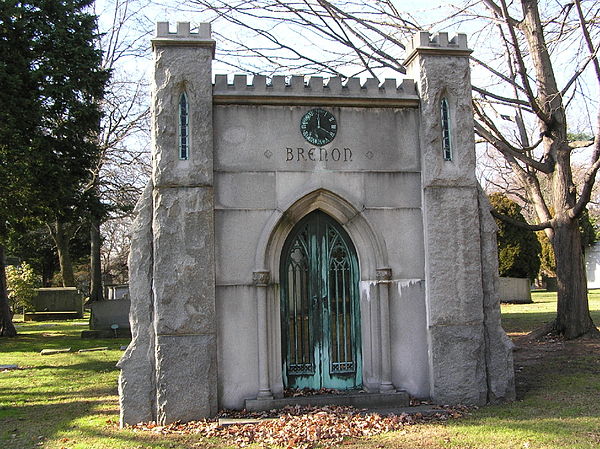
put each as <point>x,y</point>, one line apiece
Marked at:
<point>583,113</point>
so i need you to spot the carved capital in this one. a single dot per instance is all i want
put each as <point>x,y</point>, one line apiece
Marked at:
<point>261,278</point>
<point>383,274</point>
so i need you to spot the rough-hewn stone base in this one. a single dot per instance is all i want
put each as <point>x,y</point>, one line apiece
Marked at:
<point>186,376</point>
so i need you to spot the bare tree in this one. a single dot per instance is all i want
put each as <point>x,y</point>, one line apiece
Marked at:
<point>122,167</point>
<point>305,36</point>
<point>522,110</point>
<point>532,48</point>
<point>122,170</point>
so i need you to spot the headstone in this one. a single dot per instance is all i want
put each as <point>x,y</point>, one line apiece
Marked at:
<point>103,348</point>
<point>8,367</point>
<point>54,351</point>
<point>58,299</point>
<point>106,313</point>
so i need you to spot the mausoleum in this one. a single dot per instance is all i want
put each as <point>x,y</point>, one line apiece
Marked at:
<point>311,233</point>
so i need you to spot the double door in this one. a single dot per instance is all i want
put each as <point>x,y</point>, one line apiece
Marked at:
<point>320,307</point>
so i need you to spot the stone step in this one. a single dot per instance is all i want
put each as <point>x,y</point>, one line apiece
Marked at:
<point>357,400</point>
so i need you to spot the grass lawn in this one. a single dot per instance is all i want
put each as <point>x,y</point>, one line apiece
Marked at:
<point>70,401</point>
<point>518,319</point>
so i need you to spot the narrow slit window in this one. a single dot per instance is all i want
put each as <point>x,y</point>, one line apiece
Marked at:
<point>446,140</point>
<point>184,127</point>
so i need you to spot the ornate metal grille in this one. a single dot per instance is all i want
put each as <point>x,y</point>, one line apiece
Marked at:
<point>340,304</point>
<point>300,342</point>
<point>320,316</point>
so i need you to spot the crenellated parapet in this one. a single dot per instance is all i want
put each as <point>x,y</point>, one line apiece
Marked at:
<point>300,90</point>
<point>183,36</point>
<point>436,44</point>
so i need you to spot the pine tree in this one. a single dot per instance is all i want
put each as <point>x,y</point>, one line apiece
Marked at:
<point>52,82</point>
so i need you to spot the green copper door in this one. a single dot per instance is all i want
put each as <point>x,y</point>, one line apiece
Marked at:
<point>320,307</point>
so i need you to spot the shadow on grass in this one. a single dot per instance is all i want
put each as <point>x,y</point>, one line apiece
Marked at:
<point>525,322</point>
<point>34,342</point>
<point>42,421</point>
<point>79,421</point>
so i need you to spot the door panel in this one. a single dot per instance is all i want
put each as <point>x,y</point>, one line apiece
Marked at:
<point>320,316</point>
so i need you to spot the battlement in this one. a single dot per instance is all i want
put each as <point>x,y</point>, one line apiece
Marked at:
<point>438,40</point>
<point>436,44</point>
<point>316,89</point>
<point>183,36</point>
<point>183,31</point>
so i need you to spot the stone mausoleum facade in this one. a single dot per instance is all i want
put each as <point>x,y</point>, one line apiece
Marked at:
<point>311,233</point>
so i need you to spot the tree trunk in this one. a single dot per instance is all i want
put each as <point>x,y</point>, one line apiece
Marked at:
<point>96,293</point>
<point>7,329</point>
<point>573,318</point>
<point>62,239</point>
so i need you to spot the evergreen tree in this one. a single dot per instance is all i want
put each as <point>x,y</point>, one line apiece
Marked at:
<point>518,248</point>
<point>52,82</point>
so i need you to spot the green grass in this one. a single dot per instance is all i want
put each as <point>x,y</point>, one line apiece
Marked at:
<point>523,318</point>
<point>70,400</point>
<point>63,400</point>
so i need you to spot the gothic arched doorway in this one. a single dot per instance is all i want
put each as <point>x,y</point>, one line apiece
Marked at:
<point>320,306</point>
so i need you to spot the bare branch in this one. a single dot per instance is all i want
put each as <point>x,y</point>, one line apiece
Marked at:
<point>590,176</point>
<point>505,100</point>
<point>521,67</point>
<point>506,149</point>
<point>521,224</point>
<point>588,40</point>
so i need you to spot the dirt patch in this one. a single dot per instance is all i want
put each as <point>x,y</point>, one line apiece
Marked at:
<point>534,359</point>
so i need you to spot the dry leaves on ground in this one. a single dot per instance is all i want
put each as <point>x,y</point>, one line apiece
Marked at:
<point>302,427</point>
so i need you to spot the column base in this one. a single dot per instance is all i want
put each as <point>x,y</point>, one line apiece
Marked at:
<point>264,394</point>
<point>387,387</point>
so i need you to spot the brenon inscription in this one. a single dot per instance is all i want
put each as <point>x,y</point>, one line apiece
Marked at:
<point>318,154</point>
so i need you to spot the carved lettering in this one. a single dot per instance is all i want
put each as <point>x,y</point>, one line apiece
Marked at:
<point>301,154</point>
<point>318,154</point>
<point>347,155</point>
<point>323,151</point>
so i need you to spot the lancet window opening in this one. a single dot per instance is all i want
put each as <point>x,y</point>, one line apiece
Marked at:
<point>446,137</point>
<point>184,127</point>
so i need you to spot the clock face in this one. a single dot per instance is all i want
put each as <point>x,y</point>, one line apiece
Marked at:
<point>318,126</point>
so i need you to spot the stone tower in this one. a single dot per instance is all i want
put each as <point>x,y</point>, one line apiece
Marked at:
<point>460,252</point>
<point>174,324</point>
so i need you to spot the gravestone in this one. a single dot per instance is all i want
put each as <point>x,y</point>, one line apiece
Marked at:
<point>301,232</point>
<point>55,303</point>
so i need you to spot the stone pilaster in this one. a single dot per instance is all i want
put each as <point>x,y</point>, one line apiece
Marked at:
<point>183,227</point>
<point>261,281</point>
<point>384,277</point>
<point>453,270</point>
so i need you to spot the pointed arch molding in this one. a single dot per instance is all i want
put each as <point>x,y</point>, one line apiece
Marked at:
<point>372,253</point>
